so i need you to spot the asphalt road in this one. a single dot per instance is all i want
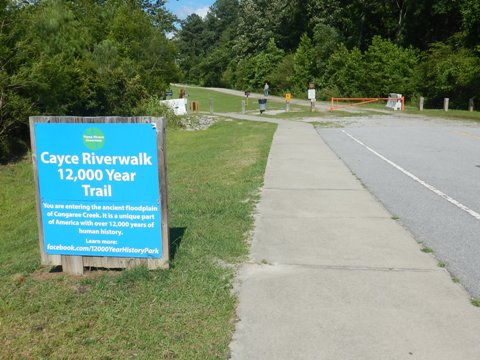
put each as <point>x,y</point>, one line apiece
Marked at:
<point>427,173</point>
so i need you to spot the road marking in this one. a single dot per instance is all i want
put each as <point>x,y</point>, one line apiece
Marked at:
<point>420,181</point>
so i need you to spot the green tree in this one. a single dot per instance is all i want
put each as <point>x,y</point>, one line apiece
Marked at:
<point>254,30</point>
<point>214,65</point>
<point>252,72</point>
<point>288,21</point>
<point>85,57</point>
<point>281,77</point>
<point>388,69</point>
<point>432,21</point>
<point>449,71</point>
<point>192,47</point>
<point>303,64</point>
<point>327,12</point>
<point>265,63</point>
<point>14,107</point>
<point>344,74</point>
<point>221,19</point>
<point>325,40</point>
<point>471,22</point>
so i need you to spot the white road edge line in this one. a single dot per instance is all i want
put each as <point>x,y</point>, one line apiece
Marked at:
<point>420,181</point>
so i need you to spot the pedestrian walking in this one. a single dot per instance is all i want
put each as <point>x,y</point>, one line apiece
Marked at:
<point>265,89</point>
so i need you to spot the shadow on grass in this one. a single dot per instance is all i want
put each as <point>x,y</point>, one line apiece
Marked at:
<point>175,236</point>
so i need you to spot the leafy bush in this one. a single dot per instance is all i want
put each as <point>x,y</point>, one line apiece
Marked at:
<point>384,68</point>
<point>281,78</point>
<point>325,40</point>
<point>303,64</point>
<point>62,58</point>
<point>252,72</point>
<point>14,128</point>
<point>344,71</point>
<point>447,71</point>
<point>153,107</point>
<point>389,69</point>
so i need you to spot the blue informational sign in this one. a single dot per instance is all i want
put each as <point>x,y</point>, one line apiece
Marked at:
<point>99,189</point>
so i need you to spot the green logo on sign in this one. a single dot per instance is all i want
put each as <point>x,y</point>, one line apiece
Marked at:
<point>93,138</point>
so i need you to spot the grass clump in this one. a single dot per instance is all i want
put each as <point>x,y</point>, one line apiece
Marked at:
<point>475,302</point>
<point>450,114</point>
<point>185,312</point>
<point>327,124</point>
<point>442,264</point>
<point>455,279</point>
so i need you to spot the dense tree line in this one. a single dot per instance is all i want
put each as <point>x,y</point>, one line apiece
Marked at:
<point>348,48</point>
<point>79,57</point>
<point>113,57</point>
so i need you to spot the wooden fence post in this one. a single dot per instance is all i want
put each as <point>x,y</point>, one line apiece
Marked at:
<point>421,102</point>
<point>470,104</point>
<point>72,265</point>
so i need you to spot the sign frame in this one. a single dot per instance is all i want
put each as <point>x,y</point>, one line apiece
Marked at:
<point>74,264</point>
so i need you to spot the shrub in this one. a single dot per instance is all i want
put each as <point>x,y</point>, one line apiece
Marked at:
<point>344,71</point>
<point>152,107</point>
<point>389,69</point>
<point>447,71</point>
<point>384,68</point>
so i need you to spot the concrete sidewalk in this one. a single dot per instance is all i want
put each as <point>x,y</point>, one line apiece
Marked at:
<point>333,276</point>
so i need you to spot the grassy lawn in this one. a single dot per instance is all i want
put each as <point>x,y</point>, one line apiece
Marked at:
<point>322,114</point>
<point>186,312</point>
<point>412,109</point>
<point>450,114</point>
<point>222,102</point>
<point>232,103</point>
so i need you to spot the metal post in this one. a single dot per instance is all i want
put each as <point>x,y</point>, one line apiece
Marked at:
<point>470,104</point>
<point>288,107</point>
<point>312,105</point>
<point>243,106</point>
<point>421,102</point>
<point>211,106</point>
<point>445,104</point>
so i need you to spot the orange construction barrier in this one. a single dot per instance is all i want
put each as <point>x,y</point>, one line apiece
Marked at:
<point>361,101</point>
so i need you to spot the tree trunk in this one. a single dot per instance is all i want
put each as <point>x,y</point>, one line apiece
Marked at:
<point>402,13</point>
<point>362,27</point>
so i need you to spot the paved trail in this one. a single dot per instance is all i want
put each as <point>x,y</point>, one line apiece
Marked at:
<point>333,276</point>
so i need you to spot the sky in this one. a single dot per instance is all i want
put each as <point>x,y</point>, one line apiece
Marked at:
<point>183,8</point>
